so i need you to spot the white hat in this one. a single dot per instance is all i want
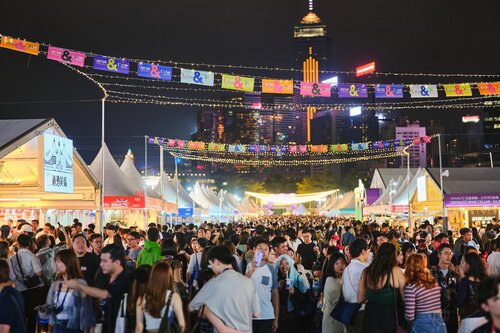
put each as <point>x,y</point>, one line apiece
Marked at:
<point>26,228</point>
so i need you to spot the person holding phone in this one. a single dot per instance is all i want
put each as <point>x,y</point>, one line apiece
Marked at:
<point>265,281</point>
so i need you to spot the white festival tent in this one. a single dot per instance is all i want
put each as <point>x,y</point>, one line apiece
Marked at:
<point>129,169</point>
<point>402,194</point>
<point>116,182</point>
<point>169,192</point>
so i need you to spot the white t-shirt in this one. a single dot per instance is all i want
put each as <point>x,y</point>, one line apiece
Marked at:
<point>264,281</point>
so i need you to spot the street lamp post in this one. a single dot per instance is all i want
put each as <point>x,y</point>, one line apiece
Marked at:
<point>445,220</point>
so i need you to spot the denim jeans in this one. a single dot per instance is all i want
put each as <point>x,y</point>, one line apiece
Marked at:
<point>428,323</point>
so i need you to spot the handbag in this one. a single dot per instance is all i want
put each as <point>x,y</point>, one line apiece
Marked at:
<point>303,304</point>
<point>399,327</point>
<point>167,324</point>
<point>31,281</point>
<point>469,307</point>
<point>121,319</point>
<point>345,312</point>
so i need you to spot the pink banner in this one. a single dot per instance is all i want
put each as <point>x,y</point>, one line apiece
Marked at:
<point>315,89</point>
<point>293,149</point>
<point>303,149</point>
<point>66,56</point>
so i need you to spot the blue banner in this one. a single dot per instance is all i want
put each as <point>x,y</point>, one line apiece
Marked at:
<point>154,71</point>
<point>112,64</point>
<point>388,91</point>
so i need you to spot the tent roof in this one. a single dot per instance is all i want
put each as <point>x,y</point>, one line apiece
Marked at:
<point>15,133</point>
<point>468,180</point>
<point>129,169</point>
<point>382,176</point>
<point>115,181</point>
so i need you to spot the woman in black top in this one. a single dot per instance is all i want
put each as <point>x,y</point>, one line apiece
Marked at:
<point>472,273</point>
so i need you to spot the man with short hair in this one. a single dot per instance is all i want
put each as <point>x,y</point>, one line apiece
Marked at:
<point>11,303</point>
<point>307,252</point>
<point>466,239</point>
<point>25,264</point>
<point>433,257</point>
<point>279,245</point>
<point>447,279</point>
<point>112,291</point>
<point>350,280</point>
<point>89,263</point>
<point>96,244</point>
<point>265,281</point>
<point>381,239</point>
<point>151,252</point>
<point>225,306</point>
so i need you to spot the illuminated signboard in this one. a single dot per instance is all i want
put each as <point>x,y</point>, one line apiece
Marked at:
<point>365,69</point>
<point>57,164</point>
<point>470,119</point>
<point>355,111</point>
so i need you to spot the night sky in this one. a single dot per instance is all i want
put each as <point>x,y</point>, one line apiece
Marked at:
<point>401,36</point>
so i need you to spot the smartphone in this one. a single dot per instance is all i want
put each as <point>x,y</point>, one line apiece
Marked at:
<point>258,258</point>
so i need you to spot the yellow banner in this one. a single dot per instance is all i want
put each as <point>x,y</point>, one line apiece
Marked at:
<point>20,45</point>
<point>237,83</point>
<point>277,86</point>
<point>490,88</point>
<point>457,90</point>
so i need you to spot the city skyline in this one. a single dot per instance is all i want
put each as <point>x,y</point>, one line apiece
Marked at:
<point>351,47</point>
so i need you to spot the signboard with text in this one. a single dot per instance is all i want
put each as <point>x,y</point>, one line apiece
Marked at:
<point>471,200</point>
<point>57,164</point>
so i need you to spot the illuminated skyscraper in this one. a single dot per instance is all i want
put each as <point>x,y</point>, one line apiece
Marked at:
<point>312,54</point>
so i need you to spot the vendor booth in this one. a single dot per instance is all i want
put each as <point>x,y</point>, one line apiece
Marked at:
<point>42,176</point>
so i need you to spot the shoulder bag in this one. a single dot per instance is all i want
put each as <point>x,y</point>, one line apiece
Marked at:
<point>345,312</point>
<point>31,281</point>
<point>167,324</point>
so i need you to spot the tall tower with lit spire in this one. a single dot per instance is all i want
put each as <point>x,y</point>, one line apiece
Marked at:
<point>312,53</point>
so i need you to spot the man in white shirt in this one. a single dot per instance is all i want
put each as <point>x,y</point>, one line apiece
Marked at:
<point>350,280</point>
<point>265,281</point>
<point>230,299</point>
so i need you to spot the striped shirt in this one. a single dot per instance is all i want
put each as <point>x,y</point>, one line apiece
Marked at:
<point>418,299</point>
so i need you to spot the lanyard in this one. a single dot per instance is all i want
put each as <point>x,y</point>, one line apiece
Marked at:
<point>61,307</point>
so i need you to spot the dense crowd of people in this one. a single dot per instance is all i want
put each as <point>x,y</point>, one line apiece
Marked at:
<point>261,274</point>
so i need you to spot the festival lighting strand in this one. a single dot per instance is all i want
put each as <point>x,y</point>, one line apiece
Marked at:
<point>286,162</point>
<point>263,68</point>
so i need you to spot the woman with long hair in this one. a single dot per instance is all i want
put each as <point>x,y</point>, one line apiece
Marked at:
<point>382,286</point>
<point>472,273</point>
<point>331,293</point>
<point>137,289</point>
<point>422,297</point>
<point>70,310</point>
<point>151,307</point>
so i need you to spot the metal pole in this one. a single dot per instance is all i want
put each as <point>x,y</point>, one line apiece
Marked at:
<point>491,159</point>
<point>408,186</point>
<point>161,181</point>
<point>176,190</point>
<point>103,111</point>
<point>445,221</point>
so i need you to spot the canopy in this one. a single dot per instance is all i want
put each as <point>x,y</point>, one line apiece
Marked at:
<point>129,169</point>
<point>289,198</point>
<point>116,182</point>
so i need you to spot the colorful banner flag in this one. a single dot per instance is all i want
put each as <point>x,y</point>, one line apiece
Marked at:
<point>352,90</point>
<point>181,143</point>
<point>315,89</point>
<point>220,147</point>
<point>192,76</point>
<point>20,45</point>
<point>111,64</point>
<point>154,71</point>
<point>388,91</point>
<point>277,86</point>
<point>423,91</point>
<point>457,90</point>
<point>241,83</point>
<point>339,147</point>
<point>66,56</point>
<point>171,142</point>
<point>303,149</point>
<point>490,88</point>
<point>293,149</point>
